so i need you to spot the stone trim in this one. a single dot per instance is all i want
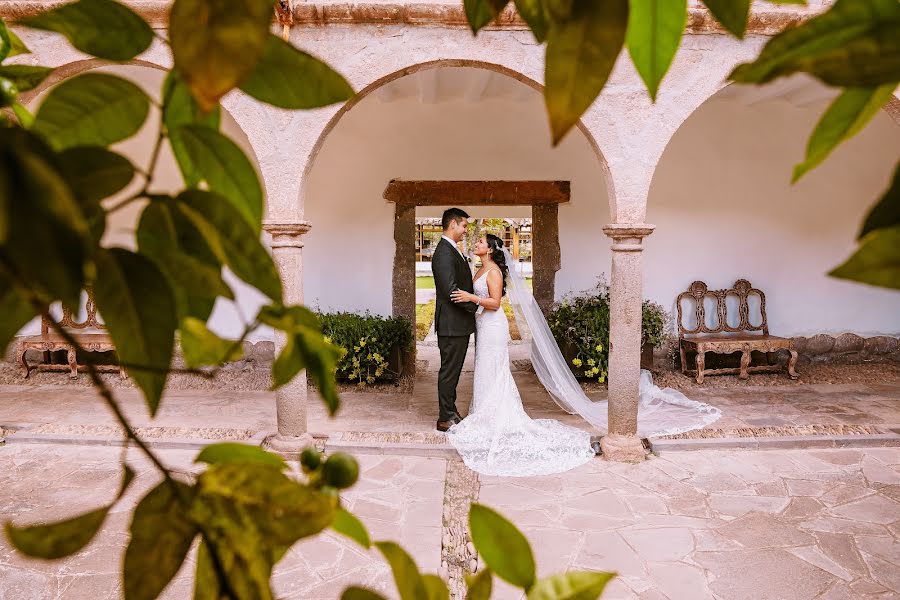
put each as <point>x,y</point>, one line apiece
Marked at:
<point>847,347</point>
<point>627,237</point>
<point>286,234</point>
<point>765,20</point>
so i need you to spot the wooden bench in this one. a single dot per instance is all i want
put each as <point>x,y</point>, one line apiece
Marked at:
<point>49,342</point>
<point>724,338</point>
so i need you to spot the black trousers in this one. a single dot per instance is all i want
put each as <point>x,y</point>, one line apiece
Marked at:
<point>453,353</point>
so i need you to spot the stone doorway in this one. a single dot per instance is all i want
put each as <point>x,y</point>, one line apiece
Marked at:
<point>544,198</point>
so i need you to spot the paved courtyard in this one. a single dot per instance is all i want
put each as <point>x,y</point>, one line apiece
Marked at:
<point>813,524</point>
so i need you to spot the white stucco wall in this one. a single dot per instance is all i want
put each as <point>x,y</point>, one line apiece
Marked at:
<point>349,253</point>
<point>724,208</point>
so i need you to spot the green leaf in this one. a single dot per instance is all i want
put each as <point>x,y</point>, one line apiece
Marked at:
<point>886,213</point>
<point>231,239</point>
<point>305,348</point>
<point>17,46</point>
<point>26,119</point>
<point>876,261</point>
<point>206,581</point>
<point>348,525</point>
<point>5,41</point>
<point>533,13</point>
<point>502,546</point>
<point>481,12</point>
<point>409,581</point>
<point>435,588</point>
<point>16,314</point>
<point>93,109</point>
<point>732,14</point>
<point>654,33</point>
<point>312,82</point>
<point>221,163</point>
<point>45,230</point>
<point>847,116</point>
<point>573,585</point>
<point>25,77</point>
<point>581,53</point>
<point>237,453</point>
<point>137,305</point>
<point>101,28</point>
<point>181,109</point>
<point>358,593</point>
<point>178,248</point>
<point>57,540</point>
<point>95,173</point>
<point>202,347</point>
<point>251,512</point>
<point>63,538</point>
<point>856,43</point>
<point>217,43</point>
<point>161,535</point>
<point>480,586</point>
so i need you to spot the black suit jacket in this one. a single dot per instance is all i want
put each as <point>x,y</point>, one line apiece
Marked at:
<point>451,271</point>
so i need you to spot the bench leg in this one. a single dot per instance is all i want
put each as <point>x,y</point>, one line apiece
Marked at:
<point>701,364</point>
<point>73,365</point>
<point>791,364</point>
<point>684,367</point>
<point>26,370</point>
<point>745,362</point>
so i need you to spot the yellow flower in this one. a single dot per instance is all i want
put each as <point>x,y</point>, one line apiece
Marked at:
<point>599,348</point>
<point>591,362</point>
<point>370,379</point>
<point>602,378</point>
<point>576,362</point>
<point>362,343</point>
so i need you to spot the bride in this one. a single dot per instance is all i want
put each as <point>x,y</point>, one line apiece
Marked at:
<point>498,437</point>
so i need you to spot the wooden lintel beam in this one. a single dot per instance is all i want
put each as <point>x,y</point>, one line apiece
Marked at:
<point>477,193</point>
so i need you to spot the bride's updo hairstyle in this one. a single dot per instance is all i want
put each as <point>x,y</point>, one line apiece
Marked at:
<point>495,245</point>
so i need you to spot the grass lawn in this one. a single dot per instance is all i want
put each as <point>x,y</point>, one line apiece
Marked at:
<point>427,282</point>
<point>425,316</point>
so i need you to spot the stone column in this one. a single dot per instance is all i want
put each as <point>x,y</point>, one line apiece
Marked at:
<point>626,299</point>
<point>290,399</point>
<point>545,253</point>
<point>403,298</point>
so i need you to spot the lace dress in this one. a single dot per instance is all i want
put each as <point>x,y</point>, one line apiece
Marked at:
<point>498,437</point>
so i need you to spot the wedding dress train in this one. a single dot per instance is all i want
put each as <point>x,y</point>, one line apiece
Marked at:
<point>499,438</point>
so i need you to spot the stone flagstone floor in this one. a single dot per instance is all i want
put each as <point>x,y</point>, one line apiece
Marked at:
<point>815,524</point>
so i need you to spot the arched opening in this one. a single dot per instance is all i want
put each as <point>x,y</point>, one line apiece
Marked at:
<point>725,209</point>
<point>445,120</point>
<point>227,317</point>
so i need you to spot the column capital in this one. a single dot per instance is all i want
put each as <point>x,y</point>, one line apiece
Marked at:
<point>286,233</point>
<point>627,237</point>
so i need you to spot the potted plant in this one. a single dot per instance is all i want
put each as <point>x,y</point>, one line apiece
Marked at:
<point>580,324</point>
<point>375,348</point>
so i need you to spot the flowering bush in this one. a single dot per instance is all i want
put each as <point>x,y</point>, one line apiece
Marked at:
<point>367,342</point>
<point>580,324</point>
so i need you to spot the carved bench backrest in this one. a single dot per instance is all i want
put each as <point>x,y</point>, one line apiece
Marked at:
<point>742,291</point>
<point>69,321</point>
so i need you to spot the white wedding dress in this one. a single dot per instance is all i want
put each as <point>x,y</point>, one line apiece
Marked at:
<point>498,437</point>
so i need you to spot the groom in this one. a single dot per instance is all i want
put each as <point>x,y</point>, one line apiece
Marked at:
<point>454,323</point>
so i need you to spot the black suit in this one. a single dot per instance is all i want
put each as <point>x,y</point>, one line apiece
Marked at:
<point>454,323</point>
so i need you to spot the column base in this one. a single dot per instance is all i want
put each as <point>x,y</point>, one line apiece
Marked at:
<point>623,448</point>
<point>288,446</point>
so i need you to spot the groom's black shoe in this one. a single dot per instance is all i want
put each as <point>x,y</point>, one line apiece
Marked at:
<point>445,425</point>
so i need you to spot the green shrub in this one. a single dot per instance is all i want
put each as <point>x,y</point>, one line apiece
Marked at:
<point>367,341</point>
<point>581,323</point>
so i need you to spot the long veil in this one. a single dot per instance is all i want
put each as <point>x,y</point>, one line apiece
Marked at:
<point>660,411</point>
